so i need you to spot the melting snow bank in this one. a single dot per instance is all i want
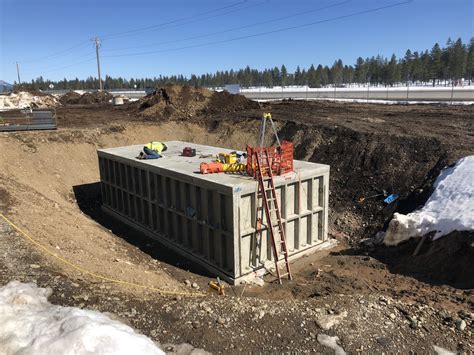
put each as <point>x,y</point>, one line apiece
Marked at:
<point>23,99</point>
<point>29,324</point>
<point>449,208</point>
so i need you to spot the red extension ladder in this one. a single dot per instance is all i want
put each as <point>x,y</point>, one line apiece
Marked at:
<point>267,194</point>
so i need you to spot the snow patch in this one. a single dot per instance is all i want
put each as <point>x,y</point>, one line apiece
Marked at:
<point>32,325</point>
<point>331,342</point>
<point>449,208</point>
<point>440,351</point>
<point>23,99</point>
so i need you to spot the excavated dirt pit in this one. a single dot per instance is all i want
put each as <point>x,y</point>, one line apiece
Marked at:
<point>393,301</point>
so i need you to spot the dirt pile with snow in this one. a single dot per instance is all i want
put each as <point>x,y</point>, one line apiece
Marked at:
<point>88,98</point>
<point>450,207</point>
<point>32,325</point>
<point>25,99</point>
<point>183,102</point>
<point>445,261</point>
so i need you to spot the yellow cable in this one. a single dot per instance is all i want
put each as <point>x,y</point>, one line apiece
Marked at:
<point>163,292</point>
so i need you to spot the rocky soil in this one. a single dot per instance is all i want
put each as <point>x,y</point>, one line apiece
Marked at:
<point>374,299</point>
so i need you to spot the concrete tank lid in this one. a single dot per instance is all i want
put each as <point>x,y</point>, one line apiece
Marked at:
<point>174,161</point>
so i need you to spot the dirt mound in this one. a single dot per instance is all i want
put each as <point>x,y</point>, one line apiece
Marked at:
<point>89,98</point>
<point>99,97</point>
<point>224,101</point>
<point>182,102</point>
<point>446,261</point>
<point>70,98</point>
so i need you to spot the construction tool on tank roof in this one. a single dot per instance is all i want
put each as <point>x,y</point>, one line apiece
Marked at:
<point>189,152</point>
<point>203,156</point>
<point>227,158</point>
<point>218,167</point>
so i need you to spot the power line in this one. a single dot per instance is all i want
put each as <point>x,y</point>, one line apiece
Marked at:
<point>117,35</point>
<point>160,25</point>
<point>70,65</point>
<point>363,12</point>
<point>56,54</point>
<point>122,34</point>
<point>233,29</point>
<point>53,66</point>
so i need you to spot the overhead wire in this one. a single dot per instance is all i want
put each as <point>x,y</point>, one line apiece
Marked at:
<point>336,18</point>
<point>56,54</point>
<point>165,24</point>
<point>28,70</point>
<point>121,34</point>
<point>234,28</point>
<point>70,65</point>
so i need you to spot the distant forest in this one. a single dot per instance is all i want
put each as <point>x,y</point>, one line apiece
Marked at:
<point>447,65</point>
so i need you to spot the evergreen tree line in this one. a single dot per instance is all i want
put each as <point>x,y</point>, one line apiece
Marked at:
<point>447,64</point>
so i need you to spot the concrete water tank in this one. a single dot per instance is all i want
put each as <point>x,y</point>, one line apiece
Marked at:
<point>210,219</point>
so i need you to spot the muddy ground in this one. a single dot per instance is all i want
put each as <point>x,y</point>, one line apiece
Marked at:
<point>384,299</point>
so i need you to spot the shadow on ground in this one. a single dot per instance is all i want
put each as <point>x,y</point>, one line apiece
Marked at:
<point>445,261</point>
<point>88,197</point>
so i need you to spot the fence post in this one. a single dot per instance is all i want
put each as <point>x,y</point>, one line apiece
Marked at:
<point>452,92</point>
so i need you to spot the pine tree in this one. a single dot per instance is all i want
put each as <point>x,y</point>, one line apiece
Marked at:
<point>470,61</point>
<point>360,71</point>
<point>407,66</point>
<point>298,76</point>
<point>393,71</point>
<point>436,63</point>
<point>312,82</point>
<point>336,72</point>
<point>284,75</point>
<point>457,60</point>
<point>268,78</point>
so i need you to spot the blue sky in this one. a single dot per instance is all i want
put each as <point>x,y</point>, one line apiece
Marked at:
<point>52,37</point>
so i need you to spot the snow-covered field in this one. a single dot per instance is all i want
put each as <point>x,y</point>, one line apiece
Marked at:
<point>381,102</point>
<point>361,88</point>
<point>29,324</point>
<point>449,208</point>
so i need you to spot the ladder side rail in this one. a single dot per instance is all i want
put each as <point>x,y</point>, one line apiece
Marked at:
<point>269,220</point>
<point>280,226</point>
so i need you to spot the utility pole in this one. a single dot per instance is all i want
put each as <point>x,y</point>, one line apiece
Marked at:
<point>18,72</point>
<point>97,46</point>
